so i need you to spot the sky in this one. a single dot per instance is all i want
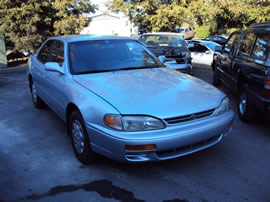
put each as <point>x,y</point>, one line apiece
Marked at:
<point>102,8</point>
<point>101,5</point>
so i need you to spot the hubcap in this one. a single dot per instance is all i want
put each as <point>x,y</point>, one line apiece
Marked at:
<point>243,103</point>
<point>78,137</point>
<point>34,92</point>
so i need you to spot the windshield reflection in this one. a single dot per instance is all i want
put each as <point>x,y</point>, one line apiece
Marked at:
<point>108,55</point>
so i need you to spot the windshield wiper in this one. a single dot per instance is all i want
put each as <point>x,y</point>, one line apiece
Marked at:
<point>95,71</point>
<point>120,69</point>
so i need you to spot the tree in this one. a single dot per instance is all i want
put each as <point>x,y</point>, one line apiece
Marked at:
<point>219,15</point>
<point>27,23</point>
<point>155,15</point>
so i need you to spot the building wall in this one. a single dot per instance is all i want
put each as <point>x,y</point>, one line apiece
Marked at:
<point>110,25</point>
<point>3,57</point>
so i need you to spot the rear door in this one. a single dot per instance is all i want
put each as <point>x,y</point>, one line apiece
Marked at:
<point>38,68</point>
<point>251,59</point>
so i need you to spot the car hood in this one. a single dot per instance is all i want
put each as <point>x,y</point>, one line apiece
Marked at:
<point>158,92</point>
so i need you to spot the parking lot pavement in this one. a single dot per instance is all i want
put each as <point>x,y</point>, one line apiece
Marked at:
<point>37,161</point>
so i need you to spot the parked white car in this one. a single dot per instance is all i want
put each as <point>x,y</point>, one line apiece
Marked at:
<point>200,54</point>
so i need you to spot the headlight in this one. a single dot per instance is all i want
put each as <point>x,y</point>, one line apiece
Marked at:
<point>223,107</point>
<point>133,123</point>
<point>141,123</point>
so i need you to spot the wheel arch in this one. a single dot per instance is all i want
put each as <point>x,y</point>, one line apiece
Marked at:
<point>69,109</point>
<point>30,79</point>
<point>241,80</point>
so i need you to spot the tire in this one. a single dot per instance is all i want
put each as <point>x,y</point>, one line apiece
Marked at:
<point>79,138</point>
<point>216,79</point>
<point>38,103</point>
<point>246,111</point>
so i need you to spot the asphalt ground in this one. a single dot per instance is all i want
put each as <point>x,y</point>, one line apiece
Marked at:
<point>37,161</point>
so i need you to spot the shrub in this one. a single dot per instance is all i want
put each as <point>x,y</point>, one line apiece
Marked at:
<point>202,31</point>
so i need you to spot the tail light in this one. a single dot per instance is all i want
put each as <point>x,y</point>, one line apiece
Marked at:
<point>267,88</point>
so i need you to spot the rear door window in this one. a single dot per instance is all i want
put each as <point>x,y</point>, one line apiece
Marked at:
<point>261,46</point>
<point>247,43</point>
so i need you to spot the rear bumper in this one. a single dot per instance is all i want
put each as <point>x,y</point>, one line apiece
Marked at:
<point>174,141</point>
<point>261,103</point>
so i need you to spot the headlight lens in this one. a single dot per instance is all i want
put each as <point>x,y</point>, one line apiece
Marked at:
<point>141,123</point>
<point>133,123</point>
<point>223,107</point>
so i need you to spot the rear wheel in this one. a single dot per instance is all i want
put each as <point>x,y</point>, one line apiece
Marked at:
<point>38,103</point>
<point>216,79</point>
<point>245,108</point>
<point>80,140</point>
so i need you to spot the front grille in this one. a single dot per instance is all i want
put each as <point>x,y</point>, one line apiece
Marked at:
<point>190,117</point>
<point>180,151</point>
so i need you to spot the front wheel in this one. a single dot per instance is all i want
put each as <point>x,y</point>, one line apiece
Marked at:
<point>245,108</point>
<point>80,140</point>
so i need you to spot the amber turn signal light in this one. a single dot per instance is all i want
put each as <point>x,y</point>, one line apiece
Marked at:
<point>230,124</point>
<point>140,147</point>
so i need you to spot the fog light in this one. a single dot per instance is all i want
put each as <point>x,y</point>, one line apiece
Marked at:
<point>140,147</point>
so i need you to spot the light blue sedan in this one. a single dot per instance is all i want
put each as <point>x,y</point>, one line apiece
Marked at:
<point>119,101</point>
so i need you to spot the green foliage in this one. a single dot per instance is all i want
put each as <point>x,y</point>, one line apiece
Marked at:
<point>218,15</point>
<point>28,23</point>
<point>155,15</point>
<point>202,31</point>
<point>229,31</point>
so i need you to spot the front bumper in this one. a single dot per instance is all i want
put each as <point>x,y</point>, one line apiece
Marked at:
<point>174,141</point>
<point>184,68</point>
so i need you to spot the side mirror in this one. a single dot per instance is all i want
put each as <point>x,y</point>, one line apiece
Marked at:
<point>162,59</point>
<point>53,67</point>
<point>207,52</point>
<point>218,49</point>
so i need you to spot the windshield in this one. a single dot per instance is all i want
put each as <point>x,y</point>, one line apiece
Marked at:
<point>109,55</point>
<point>180,30</point>
<point>163,41</point>
<point>210,45</point>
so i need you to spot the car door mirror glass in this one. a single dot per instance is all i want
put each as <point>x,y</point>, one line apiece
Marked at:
<point>162,59</point>
<point>53,67</point>
<point>207,52</point>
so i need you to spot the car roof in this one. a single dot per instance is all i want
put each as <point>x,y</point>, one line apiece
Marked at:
<point>76,38</point>
<point>162,33</point>
<point>217,36</point>
<point>203,42</point>
<point>260,26</point>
